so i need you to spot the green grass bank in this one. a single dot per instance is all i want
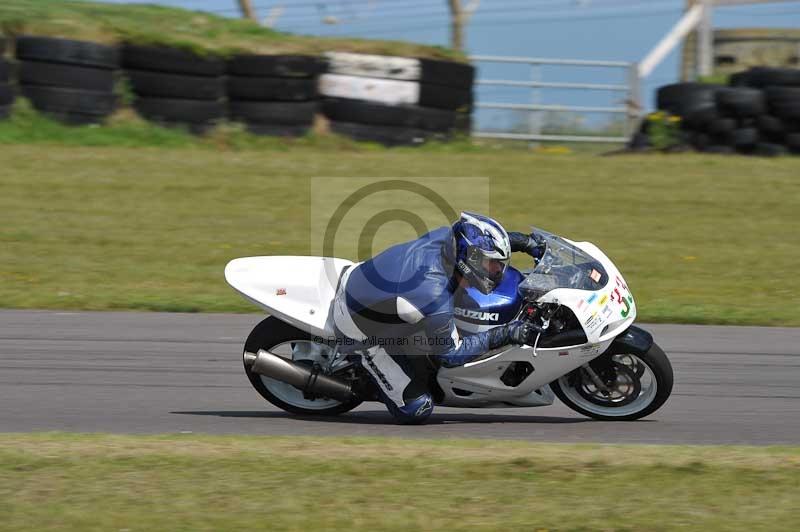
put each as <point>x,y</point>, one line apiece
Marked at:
<point>189,482</point>
<point>196,31</point>
<point>700,239</point>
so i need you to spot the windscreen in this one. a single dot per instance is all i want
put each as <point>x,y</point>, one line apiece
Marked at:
<point>563,265</point>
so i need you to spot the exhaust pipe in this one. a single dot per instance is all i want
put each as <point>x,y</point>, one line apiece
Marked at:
<point>301,377</point>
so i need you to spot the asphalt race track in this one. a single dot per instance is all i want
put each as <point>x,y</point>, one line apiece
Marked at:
<point>156,373</point>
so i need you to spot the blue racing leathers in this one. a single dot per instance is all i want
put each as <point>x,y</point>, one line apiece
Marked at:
<point>399,305</point>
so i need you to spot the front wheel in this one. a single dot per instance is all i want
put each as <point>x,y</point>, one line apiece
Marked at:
<point>289,342</point>
<point>636,385</point>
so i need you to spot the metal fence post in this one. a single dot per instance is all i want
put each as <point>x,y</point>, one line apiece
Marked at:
<point>705,41</point>
<point>634,102</point>
<point>535,117</point>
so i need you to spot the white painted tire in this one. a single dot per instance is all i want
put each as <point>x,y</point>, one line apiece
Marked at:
<point>375,66</point>
<point>387,91</point>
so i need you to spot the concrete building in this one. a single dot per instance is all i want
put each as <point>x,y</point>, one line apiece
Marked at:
<point>739,49</point>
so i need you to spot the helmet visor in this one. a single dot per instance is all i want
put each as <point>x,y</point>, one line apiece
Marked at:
<point>489,268</point>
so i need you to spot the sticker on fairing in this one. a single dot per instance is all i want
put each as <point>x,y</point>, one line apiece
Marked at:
<point>589,350</point>
<point>594,321</point>
<point>624,313</point>
<point>623,297</point>
<point>623,301</point>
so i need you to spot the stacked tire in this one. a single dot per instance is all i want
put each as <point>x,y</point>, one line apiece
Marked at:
<point>175,87</point>
<point>6,89</point>
<point>781,89</point>
<point>71,81</point>
<point>395,100</point>
<point>273,94</point>
<point>759,113</point>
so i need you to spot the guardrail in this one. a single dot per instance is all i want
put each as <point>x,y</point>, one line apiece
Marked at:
<point>631,89</point>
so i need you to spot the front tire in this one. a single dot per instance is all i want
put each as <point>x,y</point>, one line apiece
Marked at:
<point>282,339</point>
<point>640,383</point>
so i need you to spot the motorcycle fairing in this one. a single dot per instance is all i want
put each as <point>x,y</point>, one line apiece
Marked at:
<point>298,290</point>
<point>481,378</point>
<point>604,314</point>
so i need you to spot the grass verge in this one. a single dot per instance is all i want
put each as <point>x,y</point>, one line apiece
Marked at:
<point>700,239</point>
<point>189,482</point>
<point>182,28</point>
<point>127,129</point>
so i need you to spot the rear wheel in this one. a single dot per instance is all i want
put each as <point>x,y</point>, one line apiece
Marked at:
<point>636,385</point>
<point>289,342</point>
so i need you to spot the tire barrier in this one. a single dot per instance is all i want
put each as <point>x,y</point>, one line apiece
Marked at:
<point>391,100</point>
<point>5,70</point>
<point>71,81</point>
<point>170,61</point>
<point>374,66</point>
<point>275,66</point>
<point>273,94</point>
<point>6,99</point>
<point>758,113</point>
<point>175,87</point>
<point>403,116</point>
<point>785,102</point>
<point>762,77</point>
<point>7,93</point>
<point>261,117</point>
<point>68,52</point>
<point>73,106</point>
<point>395,100</point>
<point>150,84</point>
<point>65,76</point>
<point>271,89</point>
<point>388,136</point>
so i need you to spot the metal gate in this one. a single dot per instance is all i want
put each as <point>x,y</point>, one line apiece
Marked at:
<point>631,109</point>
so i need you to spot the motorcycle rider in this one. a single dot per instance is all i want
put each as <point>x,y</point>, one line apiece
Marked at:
<point>398,307</point>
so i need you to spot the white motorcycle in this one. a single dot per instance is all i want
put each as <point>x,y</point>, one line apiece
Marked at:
<point>588,354</point>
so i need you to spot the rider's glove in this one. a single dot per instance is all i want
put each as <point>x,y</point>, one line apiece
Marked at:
<point>525,243</point>
<point>522,332</point>
<point>473,346</point>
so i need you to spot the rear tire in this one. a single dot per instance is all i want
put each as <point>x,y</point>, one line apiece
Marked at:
<point>269,334</point>
<point>658,365</point>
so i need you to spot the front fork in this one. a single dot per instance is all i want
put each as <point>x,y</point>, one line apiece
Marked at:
<point>598,382</point>
<point>634,341</point>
